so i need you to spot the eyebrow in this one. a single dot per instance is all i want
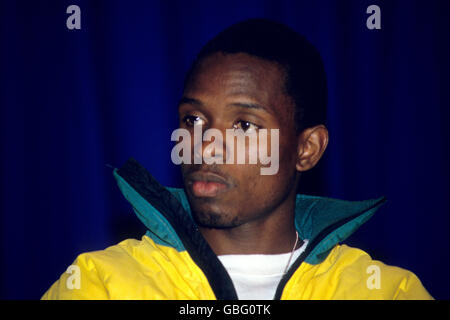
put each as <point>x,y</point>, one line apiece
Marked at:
<point>249,106</point>
<point>187,100</point>
<point>245,105</point>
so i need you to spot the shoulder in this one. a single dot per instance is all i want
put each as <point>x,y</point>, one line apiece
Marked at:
<point>95,274</point>
<point>125,253</point>
<point>366,278</point>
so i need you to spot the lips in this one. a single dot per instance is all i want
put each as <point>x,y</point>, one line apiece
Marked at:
<point>207,184</point>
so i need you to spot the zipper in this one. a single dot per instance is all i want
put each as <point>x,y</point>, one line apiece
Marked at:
<point>187,232</point>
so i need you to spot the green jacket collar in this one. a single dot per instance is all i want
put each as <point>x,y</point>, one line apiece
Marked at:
<point>324,221</point>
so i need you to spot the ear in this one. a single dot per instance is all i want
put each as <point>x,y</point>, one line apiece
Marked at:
<point>312,143</point>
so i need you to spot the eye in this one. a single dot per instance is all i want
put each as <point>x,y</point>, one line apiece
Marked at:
<point>245,126</point>
<point>191,120</point>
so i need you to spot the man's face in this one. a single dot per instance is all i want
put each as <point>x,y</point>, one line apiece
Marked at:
<point>238,91</point>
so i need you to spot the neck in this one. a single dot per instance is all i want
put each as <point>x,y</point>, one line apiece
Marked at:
<point>272,234</point>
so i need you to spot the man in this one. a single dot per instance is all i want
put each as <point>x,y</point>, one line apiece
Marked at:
<point>232,232</point>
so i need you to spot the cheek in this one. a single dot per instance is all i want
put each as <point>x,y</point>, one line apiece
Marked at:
<point>288,148</point>
<point>257,194</point>
<point>254,187</point>
<point>269,149</point>
<point>263,148</point>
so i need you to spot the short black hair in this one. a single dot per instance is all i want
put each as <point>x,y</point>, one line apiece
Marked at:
<point>305,78</point>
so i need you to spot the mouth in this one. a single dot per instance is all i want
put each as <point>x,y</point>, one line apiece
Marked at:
<point>204,184</point>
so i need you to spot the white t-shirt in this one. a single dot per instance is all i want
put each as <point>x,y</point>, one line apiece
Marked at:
<point>256,276</point>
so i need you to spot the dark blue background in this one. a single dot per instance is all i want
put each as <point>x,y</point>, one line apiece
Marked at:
<point>75,100</point>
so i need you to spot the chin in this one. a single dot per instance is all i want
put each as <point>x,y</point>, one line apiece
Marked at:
<point>215,220</point>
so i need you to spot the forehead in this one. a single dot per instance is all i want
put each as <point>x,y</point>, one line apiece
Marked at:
<point>223,76</point>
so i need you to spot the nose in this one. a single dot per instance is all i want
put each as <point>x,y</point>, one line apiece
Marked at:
<point>209,146</point>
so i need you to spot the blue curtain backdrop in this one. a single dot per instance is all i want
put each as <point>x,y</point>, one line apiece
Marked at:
<point>73,101</point>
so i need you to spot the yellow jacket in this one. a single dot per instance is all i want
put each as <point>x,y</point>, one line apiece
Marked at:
<point>173,261</point>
